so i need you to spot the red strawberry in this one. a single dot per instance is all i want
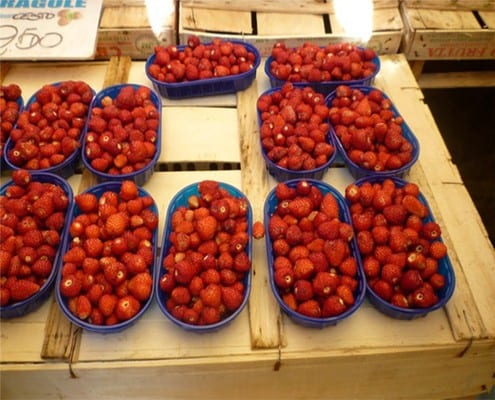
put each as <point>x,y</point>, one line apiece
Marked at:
<point>127,307</point>
<point>116,224</point>
<point>349,267</point>
<point>310,308</point>
<point>325,283</point>
<point>410,280</point>
<point>332,306</point>
<point>206,227</point>
<point>180,295</point>
<point>414,206</point>
<point>391,273</point>
<point>22,289</point>
<point>75,255</point>
<point>21,177</point>
<point>383,289</point>
<point>70,286</point>
<point>42,267</point>
<point>424,297</point>
<point>87,202</point>
<point>437,281</point>
<point>284,277</point>
<point>284,192</point>
<point>211,295</point>
<point>431,230</point>
<point>4,296</point>
<point>184,271</point>
<point>140,286</point>
<point>437,250</point>
<point>231,298</point>
<point>128,190</point>
<point>300,207</point>
<point>303,290</point>
<point>399,300</point>
<point>258,230</point>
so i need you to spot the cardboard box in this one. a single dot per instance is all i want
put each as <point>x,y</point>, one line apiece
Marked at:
<point>127,31</point>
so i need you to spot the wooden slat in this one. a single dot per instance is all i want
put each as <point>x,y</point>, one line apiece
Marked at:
<point>451,4</point>
<point>488,18</point>
<point>62,339</point>
<point>226,20</point>
<point>440,80</point>
<point>278,6</point>
<point>4,69</point>
<point>442,19</point>
<point>264,312</point>
<point>296,24</point>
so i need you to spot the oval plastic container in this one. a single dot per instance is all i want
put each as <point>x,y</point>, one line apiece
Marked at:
<point>324,87</point>
<point>269,208</point>
<point>98,190</point>
<point>282,174</point>
<point>66,168</point>
<point>206,87</point>
<point>143,175</point>
<point>3,153</point>
<point>34,302</point>
<point>444,267</point>
<point>360,172</point>
<point>180,199</point>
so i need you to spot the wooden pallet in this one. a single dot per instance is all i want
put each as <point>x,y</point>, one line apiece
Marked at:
<point>263,23</point>
<point>449,30</point>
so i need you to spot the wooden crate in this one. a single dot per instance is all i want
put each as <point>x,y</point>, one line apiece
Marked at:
<point>440,30</point>
<point>128,30</point>
<point>262,354</point>
<point>263,23</point>
<point>448,33</point>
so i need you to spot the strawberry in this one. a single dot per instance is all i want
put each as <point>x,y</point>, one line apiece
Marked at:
<point>140,286</point>
<point>126,308</point>
<point>116,224</point>
<point>87,202</point>
<point>75,255</point>
<point>22,289</point>
<point>42,267</point>
<point>391,273</point>
<point>437,281</point>
<point>424,297</point>
<point>332,306</point>
<point>184,271</point>
<point>206,227</point>
<point>349,267</point>
<point>414,206</point>
<point>300,207</point>
<point>310,308</point>
<point>346,294</point>
<point>231,298</point>
<point>83,307</point>
<point>437,250</point>
<point>383,289</point>
<point>431,230</point>
<point>284,277</point>
<point>284,192</point>
<point>410,280</point>
<point>21,177</point>
<point>70,286</point>
<point>325,283</point>
<point>128,190</point>
<point>258,230</point>
<point>399,300</point>
<point>209,315</point>
<point>211,295</point>
<point>4,296</point>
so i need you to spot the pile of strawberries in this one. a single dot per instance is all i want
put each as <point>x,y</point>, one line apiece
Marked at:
<point>122,133</point>
<point>48,131</point>
<point>106,275</point>
<point>32,218</point>
<point>294,128</point>
<point>369,130</point>
<point>400,247</point>
<point>199,61</point>
<point>206,256</point>
<point>314,269</point>
<point>312,63</point>
<point>9,111</point>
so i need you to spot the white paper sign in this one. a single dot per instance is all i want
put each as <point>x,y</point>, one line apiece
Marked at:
<point>48,29</point>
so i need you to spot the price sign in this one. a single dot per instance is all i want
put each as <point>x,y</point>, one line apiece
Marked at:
<point>48,29</point>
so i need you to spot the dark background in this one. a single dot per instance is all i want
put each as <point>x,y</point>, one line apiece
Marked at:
<point>466,120</point>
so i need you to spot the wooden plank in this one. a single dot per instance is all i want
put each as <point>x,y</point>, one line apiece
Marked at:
<point>279,6</point>
<point>451,4</point>
<point>296,24</point>
<point>216,20</point>
<point>488,18</point>
<point>124,17</point>
<point>456,79</point>
<point>443,19</point>
<point>264,312</point>
<point>62,339</point>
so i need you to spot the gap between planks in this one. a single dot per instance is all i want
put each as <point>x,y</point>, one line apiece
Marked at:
<point>62,339</point>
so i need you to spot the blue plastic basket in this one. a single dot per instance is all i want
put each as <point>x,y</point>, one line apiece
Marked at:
<point>271,203</point>
<point>324,87</point>
<point>3,153</point>
<point>34,302</point>
<point>359,172</point>
<point>282,174</point>
<point>444,267</point>
<point>65,169</point>
<point>206,87</point>
<point>98,190</point>
<point>139,177</point>
<point>180,199</point>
